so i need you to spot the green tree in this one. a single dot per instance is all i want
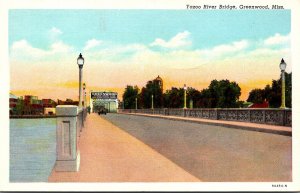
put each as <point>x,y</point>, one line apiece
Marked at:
<point>20,106</point>
<point>256,96</point>
<point>205,99</point>
<point>194,95</point>
<point>273,93</point>
<point>152,88</point>
<point>129,96</point>
<point>173,98</point>
<point>273,96</point>
<point>223,94</point>
<point>288,90</point>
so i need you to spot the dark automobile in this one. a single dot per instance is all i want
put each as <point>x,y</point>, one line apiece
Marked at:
<point>102,110</point>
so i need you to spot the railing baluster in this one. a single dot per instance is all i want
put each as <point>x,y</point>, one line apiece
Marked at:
<point>230,114</point>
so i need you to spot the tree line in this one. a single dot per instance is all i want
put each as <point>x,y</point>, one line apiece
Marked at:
<point>272,93</point>
<point>219,94</point>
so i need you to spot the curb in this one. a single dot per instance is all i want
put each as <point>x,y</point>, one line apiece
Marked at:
<point>228,125</point>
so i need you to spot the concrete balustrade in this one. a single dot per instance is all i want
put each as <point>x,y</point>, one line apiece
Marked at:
<point>270,116</point>
<point>68,127</point>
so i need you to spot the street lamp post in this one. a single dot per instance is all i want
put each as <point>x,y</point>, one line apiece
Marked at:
<point>135,103</point>
<point>80,62</point>
<point>282,67</point>
<point>84,94</point>
<point>185,88</point>
<point>85,103</point>
<point>152,106</point>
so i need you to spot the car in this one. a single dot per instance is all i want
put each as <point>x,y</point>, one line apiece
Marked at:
<point>102,110</point>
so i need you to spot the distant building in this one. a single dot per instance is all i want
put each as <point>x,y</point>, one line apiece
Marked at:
<point>264,104</point>
<point>67,102</point>
<point>160,82</point>
<point>109,100</point>
<point>32,105</point>
<point>13,100</point>
<point>48,103</point>
<point>49,111</point>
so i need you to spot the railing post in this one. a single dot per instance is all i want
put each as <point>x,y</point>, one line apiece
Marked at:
<point>264,116</point>
<point>67,154</point>
<point>249,115</point>
<point>283,117</point>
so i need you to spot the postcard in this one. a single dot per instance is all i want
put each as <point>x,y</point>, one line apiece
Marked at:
<point>147,96</point>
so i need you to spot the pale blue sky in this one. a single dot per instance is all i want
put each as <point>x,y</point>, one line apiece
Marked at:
<point>134,46</point>
<point>208,28</point>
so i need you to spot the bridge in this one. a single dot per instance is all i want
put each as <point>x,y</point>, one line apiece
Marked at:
<point>173,145</point>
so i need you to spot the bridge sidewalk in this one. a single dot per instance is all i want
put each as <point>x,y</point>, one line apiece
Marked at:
<point>281,130</point>
<point>108,154</point>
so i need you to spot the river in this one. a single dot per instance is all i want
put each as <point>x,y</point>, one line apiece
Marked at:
<point>32,149</point>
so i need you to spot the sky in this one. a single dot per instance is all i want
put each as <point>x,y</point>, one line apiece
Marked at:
<point>130,47</point>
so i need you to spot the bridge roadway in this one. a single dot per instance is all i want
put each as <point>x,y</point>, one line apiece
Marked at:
<point>109,154</point>
<point>154,149</point>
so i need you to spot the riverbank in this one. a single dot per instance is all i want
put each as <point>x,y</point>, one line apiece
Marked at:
<point>31,116</point>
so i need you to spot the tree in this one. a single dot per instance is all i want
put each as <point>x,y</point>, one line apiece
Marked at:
<point>257,96</point>
<point>223,94</point>
<point>173,98</point>
<point>194,95</point>
<point>288,89</point>
<point>152,88</point>
<point>20,107</point>
<point>205,99</point>
<point>129,96</point>
<point>273,93</point>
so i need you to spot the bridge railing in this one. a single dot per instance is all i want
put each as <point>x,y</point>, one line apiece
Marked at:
<point>272,116</point>
<point>69,123</point>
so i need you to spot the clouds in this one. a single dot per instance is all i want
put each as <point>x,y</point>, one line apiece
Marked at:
<point>245,61</point>
<point>178,41</point>
<point>231,47</point>
<point>177,51</point>
<point>177,48</point>
<point>91,44</point>
<point>225,50</point>
<point>57,49</point>
<point>23,50</point>
<point>277,39</point>
<point>54,34</point>
<point>55,31</point>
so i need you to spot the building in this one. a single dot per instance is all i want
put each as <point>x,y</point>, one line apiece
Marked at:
<point>49,106</point>
<point>48,103</point>
<point>32,105</point>
<point>67,102</point>
<point>109,100</point>
<point>264,104</point>
<point>160,82</point>
<point>49,111</point>
<point>13,101</point>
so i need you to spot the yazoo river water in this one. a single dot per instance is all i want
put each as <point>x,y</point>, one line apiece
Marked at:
<point>32,149</point>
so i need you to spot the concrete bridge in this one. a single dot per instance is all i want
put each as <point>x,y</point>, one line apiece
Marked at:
<point>143,146</point>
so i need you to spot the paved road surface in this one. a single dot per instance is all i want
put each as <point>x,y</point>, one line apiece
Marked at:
<point>109,154</point>
<point>213,153</point>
